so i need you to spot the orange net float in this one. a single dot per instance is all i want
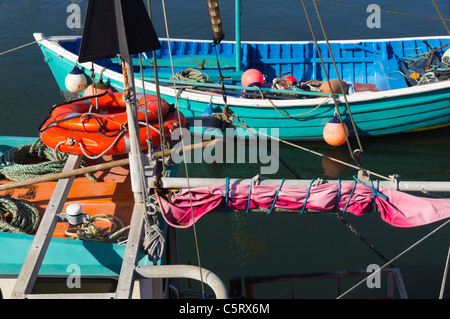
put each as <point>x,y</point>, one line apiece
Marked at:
<point>106,112</point>
<point>333,133</point>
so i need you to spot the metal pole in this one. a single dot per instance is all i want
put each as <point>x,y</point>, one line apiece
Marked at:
<point>408,186</point>
<point>135,155</point>
<point>238,33</point>
<point>185,271</point>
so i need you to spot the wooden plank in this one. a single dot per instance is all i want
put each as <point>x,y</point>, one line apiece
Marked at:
<point>30,269</point>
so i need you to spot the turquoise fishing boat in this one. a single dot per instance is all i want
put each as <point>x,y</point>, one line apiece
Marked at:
<point>142,188</point>
<point>392,88</point>
<point>103,228</point>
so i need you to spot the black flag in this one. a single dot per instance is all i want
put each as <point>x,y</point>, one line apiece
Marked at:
<point>100,36</point>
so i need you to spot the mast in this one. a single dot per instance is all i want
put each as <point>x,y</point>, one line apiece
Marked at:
<point>121,28</point>
<point>130,99</point>
<point>237,21</point>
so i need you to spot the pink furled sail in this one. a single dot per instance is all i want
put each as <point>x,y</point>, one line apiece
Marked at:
<point>396,208</point>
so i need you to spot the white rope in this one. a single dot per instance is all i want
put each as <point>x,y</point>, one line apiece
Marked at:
<point>307,150</point>
<point>184,153</point>
<point>25,45</point>
<point>395,258</point>
<point>19,47</point>
<point>444,277</point>
<point>104,152</point>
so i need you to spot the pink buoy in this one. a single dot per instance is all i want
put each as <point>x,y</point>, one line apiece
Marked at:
<point>252,77</point>
<point>290,79</point>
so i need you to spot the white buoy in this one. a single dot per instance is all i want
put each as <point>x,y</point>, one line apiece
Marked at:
<point>446,57</point>
<point>76,81</point>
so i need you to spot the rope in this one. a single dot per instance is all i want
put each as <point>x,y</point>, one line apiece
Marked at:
<point>30,160</point>
<point>440,16</point>
<point>190,75</point>
<point>33,160</point>
<point>106,150</point>
<point>444,277</point>
<point>25,45</point>
<point>90,232</point>
<point>395,258</point>
<point>287,115</point>
<point>328,80</point>
<point>18,216</point>
<point>307,196</point>
<point>249,196</point>
<point>276,196</point>
<point>227,193</point>
<point>19,47</point>
<point>381,10</point>
<point>184,155</point>
<point>147,124</point>
<point>308,150</point>
<point>154,240</point>
<point>283,162</point>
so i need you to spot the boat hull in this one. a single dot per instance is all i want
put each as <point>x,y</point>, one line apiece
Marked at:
<point>110,195</point>
<point>391,109</point>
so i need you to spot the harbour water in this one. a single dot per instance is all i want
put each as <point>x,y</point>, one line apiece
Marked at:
<point>262,244</point>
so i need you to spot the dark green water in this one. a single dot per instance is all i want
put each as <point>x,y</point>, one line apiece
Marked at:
<point>264,244</point>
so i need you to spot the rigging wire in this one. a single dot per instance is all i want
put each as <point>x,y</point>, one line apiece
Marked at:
<point>356,154</point>
<point>184,153</point>
<point>444,277</point>
<point>386,11</point>
<point>309,150</point>
<point>395,258</point>
<point>440,16</point>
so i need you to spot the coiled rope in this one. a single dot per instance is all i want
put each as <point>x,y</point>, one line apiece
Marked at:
<point>90,232</point>
<point>21,163</point>
<point>17,216</point>
<point>32,160</point>
<point>190,75</point>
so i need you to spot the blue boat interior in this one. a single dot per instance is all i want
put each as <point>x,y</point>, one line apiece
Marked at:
<point>365,62</point>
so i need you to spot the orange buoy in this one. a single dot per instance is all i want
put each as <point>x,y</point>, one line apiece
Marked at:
<point>109,115</point>
<point>333,133</point>
<point>99,88</point>
<point>335,87</point>
<point>252,77</point>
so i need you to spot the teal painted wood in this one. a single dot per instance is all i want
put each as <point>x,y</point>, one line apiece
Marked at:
<point>93,258</point>
<point>8,142</point>
<point>373,61</point>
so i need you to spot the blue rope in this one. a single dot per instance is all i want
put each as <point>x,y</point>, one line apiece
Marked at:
<point>307,196</point>
<point>249,196</point>
<point>350,197</point>
<point>276,196</point>
<point>375,191</point>
<point>227,191</point>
